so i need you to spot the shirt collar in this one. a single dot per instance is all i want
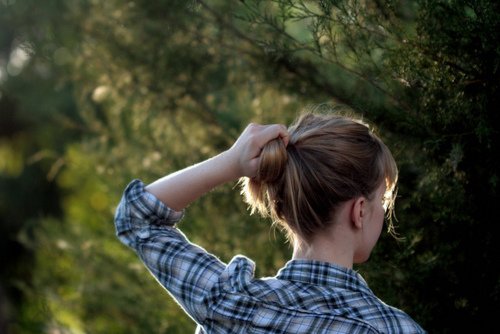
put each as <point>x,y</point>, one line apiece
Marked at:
<point>323,273</point>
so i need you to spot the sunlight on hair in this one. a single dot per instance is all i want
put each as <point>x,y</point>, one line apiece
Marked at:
<point>389,201</point>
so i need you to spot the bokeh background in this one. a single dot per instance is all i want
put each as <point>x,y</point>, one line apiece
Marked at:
<point>96,93</point>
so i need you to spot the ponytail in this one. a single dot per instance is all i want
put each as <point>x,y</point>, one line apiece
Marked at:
<point>329,159</point>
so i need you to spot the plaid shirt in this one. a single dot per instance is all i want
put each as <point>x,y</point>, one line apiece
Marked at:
<point>304,297</point>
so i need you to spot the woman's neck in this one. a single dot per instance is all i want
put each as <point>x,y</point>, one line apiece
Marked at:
<point>327,248</point>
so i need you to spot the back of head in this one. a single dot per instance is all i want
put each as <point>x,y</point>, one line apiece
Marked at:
<point>329,159</point>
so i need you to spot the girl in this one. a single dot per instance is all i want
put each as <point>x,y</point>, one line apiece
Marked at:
<point>328,181</point>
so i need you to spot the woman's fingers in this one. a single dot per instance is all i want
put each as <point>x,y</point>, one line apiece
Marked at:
<point>283,134</point>
<point>248,147</point>
<point>265,133</point>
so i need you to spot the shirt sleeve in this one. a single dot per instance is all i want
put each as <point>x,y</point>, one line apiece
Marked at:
<point>187,271</point>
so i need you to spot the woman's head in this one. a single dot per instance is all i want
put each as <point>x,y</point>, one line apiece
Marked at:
<point>329,159</point>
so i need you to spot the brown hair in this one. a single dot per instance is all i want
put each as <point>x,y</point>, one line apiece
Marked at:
<point>329,159</point>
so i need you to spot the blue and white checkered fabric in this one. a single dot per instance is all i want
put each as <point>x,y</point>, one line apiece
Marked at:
<point>304,297</point>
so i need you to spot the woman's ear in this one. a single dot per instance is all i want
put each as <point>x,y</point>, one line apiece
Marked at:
<point>358,212</point>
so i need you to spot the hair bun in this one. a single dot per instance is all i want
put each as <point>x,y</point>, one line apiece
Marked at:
<point>273,161</point>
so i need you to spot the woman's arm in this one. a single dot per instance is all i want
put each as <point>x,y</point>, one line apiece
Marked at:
<point>145,219</point>
<point>179,189</point>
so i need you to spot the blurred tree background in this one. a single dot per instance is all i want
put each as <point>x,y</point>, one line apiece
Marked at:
<point>95,93</point>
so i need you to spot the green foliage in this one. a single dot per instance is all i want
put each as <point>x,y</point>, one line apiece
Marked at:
<point>115,90</point>
<point>85,281</point>
<point>452,68</point>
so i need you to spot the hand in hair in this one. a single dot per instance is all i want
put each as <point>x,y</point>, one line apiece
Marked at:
<point>179,189</point>
<point>247,148</point>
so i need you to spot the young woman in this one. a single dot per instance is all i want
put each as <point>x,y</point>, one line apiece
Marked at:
<point>328,181</point>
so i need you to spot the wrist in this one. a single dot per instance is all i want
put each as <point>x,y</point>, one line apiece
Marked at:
<point>228,166</point>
